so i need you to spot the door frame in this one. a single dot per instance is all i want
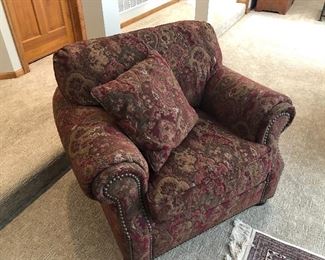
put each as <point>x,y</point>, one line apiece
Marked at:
<point>77,21</point>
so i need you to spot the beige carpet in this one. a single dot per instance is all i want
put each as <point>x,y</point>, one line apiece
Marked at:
<point>62,224</point>
<point>285,53</point>
<point>26,121</point>
<point>29,140</point>
<point>223,14</point>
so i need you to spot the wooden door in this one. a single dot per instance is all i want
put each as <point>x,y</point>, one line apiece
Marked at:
<point>42,26</point>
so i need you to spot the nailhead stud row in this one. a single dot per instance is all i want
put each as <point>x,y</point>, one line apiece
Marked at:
<point>265,140</point>
<point>270,125</point>
<point>139,188</point>
<point>120,210</point>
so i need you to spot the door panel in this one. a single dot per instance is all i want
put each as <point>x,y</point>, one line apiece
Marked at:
<point>53,21</point>
<point>28,27</point>
<point>43,25</point>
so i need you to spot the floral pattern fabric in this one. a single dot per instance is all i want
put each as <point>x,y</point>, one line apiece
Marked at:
<point>169,234</point>
<point>191,49</point>
<point>231,171</point>
<point>150,108</point>
<point>94,143</point>
<point>83,65</point>
<point>209,166</point>
<point>140,238</point>
<point>242,105</point>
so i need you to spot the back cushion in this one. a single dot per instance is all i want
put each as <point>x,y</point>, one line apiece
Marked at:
<point>191,48</point>
<point>83,65</point>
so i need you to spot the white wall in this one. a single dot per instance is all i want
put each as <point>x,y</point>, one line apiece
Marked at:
<point>140,9</point>
<point>5,63</point>
<point>202,10</point>
<point>101,17</point>
<point>111,17</point>
<point>94,20</point>
<point>9,60</point>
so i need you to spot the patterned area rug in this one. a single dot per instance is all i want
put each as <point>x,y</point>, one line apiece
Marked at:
<point>247,243</point>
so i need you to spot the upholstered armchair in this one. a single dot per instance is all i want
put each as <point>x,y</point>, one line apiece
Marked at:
<point>228,162</point>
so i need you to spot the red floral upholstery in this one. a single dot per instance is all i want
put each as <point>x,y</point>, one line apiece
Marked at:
<point>150,107</point>
<point>190,48</point>
<point>192,51</point>
<point>168,234</point>
<point>244,106</point>
<point>210,166</point>
<point>83,65</point>
<point>228,162</point>
<point>93,143</point>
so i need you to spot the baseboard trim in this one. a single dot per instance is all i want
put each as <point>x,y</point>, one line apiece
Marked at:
<point>12,74</point>
<point>152,11</point>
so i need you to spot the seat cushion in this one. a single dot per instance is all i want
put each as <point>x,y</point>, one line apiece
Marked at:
<point>209,166</point>
<point>150,108</point>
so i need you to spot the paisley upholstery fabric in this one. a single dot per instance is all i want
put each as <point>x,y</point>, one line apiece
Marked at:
<point>228,162</point>
<point>243,105</point>
<point>209,166</point>
<point>169,234</point>
<point>191,48</point>
<point>137,226</point>
<point>150,108</point>
<point>83,65</point>
<point>280,123</point>
<point>93,143</point>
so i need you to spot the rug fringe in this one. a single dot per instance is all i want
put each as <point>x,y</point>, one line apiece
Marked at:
<point>239,240</point>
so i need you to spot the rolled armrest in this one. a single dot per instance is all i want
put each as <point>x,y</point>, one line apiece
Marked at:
<point>94,144</point>
<point>122,196</point>
<point>250,110</point>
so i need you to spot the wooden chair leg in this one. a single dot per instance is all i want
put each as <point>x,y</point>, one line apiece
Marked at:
<point>261,203</point>
<point>322,14</point>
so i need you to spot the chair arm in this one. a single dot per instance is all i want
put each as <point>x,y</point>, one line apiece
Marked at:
<point>250,110</point>
<point>122,198</point>
<point>94,144</point>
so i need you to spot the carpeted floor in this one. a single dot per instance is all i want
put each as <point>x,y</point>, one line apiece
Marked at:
<point>27,117</point>
<point>285,53</point>
<point>29,140</point>
<point>223,14</point>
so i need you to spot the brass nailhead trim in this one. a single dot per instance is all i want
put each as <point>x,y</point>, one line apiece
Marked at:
<point>120,210</point>
<point>269,126</point>
<point>139,187</point>
<point>265,140</point>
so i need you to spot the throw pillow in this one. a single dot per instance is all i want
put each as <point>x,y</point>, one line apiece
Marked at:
<point>150,108</point>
